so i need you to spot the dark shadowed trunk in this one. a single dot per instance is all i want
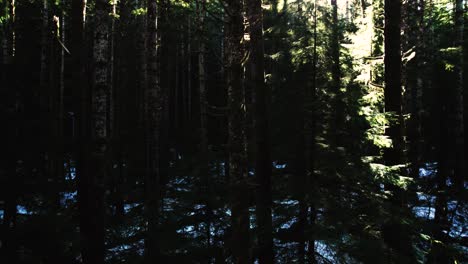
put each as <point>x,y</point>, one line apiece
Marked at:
<point>95,128</point>
<point>233,55</point>
<point>395,232</point>
<point>153,120</point>
<point>263,166</point>
<point>458,126</point>
<point>79,107</point>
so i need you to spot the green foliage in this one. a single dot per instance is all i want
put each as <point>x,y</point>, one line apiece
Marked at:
<point>139,11</point>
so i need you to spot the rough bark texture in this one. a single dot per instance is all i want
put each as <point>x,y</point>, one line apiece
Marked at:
<point>93,168</point>
<point>233,54</point>
<point>263,166</point>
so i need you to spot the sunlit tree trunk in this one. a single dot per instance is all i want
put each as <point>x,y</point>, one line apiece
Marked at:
<point>233,55</point>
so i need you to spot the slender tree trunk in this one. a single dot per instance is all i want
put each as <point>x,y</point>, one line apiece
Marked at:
<point>233,55</point>
<point>363,8</point>
<point>201,5</point>
<point>189,69</point>
<point>465,92</point>
<point>56,139</point>
<point>311,127</point>
<point>336,77</point>
<point>45,38</point>
<point>80,108</point>
<point>415,80</point>
<point>458,126</point>
<point>263,166</point>
<point>12,29</point>
<point>9,242</point>
<point>8,251</point>
<point>438,254</point>
<point>111,68</point>
<point>153,119</point>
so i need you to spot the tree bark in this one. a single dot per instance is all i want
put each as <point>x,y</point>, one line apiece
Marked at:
<point>309,155</point>
<point>201,9</point>
<point>396,234</point>
<point>94,167</point>
<point>263,166</point>
<point>80,109</point>
<point>458,126</point>
<point>392,93</point>
<point>233,55</point>
<point>153,121</point>
<point>338,121</point>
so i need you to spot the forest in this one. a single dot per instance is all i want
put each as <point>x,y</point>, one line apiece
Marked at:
<point>233,131</point>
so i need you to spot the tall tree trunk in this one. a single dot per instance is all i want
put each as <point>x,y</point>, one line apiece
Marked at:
<point>56,69</point>
<point>336,77</point>
<point>95,165</point>
<point>80,108</point>
<point>8,32</point>
<point>438,254</point>
<point>392,94</point>
<point>233,55</point>
<point>263,166</point>
<point>45,39</point>
<point>203,104</point>
<point>458,126</point>
<point>153,119</point>
<point>201,9</point>
<point>414,81</point>
<point>8,251</point>
<point>465,91</point>
<point>395,233</point>
<point>309,155</point>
